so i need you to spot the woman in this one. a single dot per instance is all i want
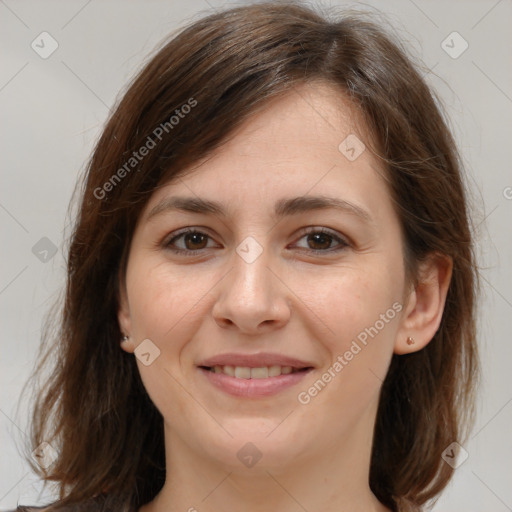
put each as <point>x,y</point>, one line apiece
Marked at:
<point>270,295</point>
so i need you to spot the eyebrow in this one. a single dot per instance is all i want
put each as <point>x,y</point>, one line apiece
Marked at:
<point>283,207</point>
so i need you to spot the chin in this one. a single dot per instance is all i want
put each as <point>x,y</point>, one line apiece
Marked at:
<point>256,444</point>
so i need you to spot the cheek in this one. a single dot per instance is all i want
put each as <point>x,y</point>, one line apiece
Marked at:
<point>162,301</point>
<point>361,307</point>
<point>348,300</point>
<point>165,308</point>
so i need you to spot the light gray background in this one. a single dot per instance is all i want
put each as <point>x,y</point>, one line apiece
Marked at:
<point>53,110</point>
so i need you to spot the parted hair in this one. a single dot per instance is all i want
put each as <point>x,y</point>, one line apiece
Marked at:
<point>90,403</point>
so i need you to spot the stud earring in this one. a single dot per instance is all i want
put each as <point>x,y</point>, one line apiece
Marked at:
<point>410,341</point>
<point>124,338</point>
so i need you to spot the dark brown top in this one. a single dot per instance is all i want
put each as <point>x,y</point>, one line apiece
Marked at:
<point>97,504</point>
<point>92,507</point>
<point>71,508</point>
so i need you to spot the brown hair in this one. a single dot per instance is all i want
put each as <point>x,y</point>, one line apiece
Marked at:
<point>93,408</point>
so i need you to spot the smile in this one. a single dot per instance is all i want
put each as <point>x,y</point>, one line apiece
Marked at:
<point>253,383</point>
<point>245,372</point>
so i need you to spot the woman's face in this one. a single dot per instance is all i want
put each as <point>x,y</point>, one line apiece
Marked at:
<point>299,268</point>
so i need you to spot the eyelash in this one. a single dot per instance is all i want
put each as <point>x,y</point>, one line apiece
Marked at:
<point>343,244</point>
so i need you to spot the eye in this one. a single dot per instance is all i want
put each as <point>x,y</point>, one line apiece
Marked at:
<point>191,241</point>
<point>188,241</point>
<point>321,240</point>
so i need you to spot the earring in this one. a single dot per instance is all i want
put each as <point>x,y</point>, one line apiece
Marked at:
<point>410,341</point>
<point>124,338</point>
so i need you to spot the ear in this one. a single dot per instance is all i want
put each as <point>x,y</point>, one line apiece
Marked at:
<point>424,307</point>
<point>124,318</point>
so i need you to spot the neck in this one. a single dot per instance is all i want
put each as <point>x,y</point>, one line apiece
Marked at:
<point>333,480</point>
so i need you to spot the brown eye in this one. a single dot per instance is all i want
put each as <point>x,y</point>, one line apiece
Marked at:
<point>321,241</point>
<point>188,241</point>
<point>194,241</point>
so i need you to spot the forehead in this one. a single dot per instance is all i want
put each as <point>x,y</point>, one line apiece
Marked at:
<point>310,140</point>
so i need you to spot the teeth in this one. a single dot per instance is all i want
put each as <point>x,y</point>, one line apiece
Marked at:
<point>259,373</point>
<point>274,371</point>
<point>244,372</point>
<point>228,370</point>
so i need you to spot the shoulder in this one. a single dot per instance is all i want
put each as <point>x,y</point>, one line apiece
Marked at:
<point>98,504</point>
<point>33,508</point>
<point>22,508</point>
<point>82,507</point>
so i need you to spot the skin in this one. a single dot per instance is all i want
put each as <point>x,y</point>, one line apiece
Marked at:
<point>290,301</point>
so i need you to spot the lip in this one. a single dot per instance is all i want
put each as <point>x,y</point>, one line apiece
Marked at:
<point>255,360</point>
<point>253,388</point>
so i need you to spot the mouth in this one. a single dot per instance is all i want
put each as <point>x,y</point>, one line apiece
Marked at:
<point>261,372</point>
<point>253,376</point>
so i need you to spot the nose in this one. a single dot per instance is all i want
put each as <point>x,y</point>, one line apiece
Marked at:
<point>252,299</point>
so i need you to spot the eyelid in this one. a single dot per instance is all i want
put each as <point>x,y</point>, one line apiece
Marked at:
<point>184,231</point>
<point>343,241</point>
